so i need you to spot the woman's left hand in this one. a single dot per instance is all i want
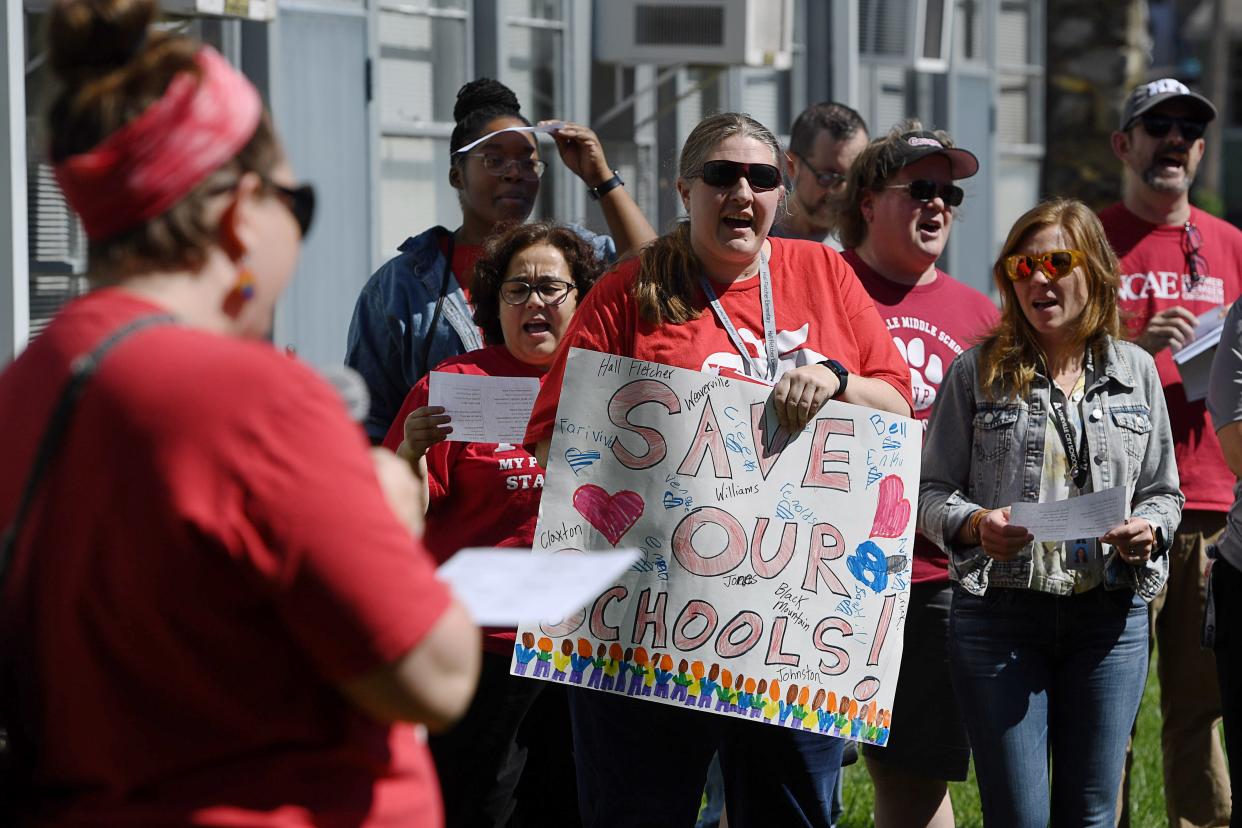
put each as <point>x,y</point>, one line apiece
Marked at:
<point>1133,540</point>
<point>801,393</point>
<point>582,153</point>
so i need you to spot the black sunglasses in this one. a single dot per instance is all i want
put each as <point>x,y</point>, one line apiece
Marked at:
<point>762,177</point>
<point>301,203</point>
<point>922,189</point>
<point>1158,126</point>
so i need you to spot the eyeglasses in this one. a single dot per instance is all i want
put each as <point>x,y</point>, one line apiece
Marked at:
<point>922,189</point>
<point>528,169</point>
<point>1056,264</point>
<point>1195,263</point>
<point>551,291</point>
<point>827,180</point>
<point>300,200</point>
<point>761,177</point>
<point>1158,126</point>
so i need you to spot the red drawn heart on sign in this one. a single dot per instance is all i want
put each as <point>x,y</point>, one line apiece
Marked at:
<point>612,515</point>
<point>892,511</point>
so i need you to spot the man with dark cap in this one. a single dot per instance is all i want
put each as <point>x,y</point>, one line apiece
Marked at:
<point>823,143</point>
<point>1177,264</point>
<point>895,219</point>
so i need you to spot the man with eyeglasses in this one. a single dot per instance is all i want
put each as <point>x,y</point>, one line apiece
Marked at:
<point>1177,263</point>
<point>823,143</point>
<point>895,220</point>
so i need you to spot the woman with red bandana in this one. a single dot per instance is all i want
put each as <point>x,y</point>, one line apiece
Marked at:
<point>210,615</point>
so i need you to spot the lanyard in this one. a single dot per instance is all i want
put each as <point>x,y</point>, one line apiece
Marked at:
<point>1075,455</point>
<point>769,322</point>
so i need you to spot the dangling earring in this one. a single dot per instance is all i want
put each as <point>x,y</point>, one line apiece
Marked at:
<point>243,288</point>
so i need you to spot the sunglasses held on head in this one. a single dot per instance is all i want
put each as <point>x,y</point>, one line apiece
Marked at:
<point>1056,264</point>
<point>761,177</point>
<point>924,190</point>
<point>528,169</point>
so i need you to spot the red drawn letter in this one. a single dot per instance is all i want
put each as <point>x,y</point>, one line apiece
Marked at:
<point>723,561</point>
<point>651,616</point>
<point>707,438</point>
<point>817,475</point>
<point>726,647</point>
<point>693,610</point>
<point>626,399</point>
<point>775,641</point>
<point>601,630</point>
<point>772,568</point>
<point>826,545</point>
<point>767,449</point>
<point>818,639</point>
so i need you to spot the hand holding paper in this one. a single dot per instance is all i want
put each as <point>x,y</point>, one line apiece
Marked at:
<point>1089,516</point>
<point>485,409</point>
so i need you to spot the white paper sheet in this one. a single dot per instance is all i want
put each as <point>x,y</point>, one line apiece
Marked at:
<point>485,409</point>
<point>504,587</point>
<point>1089,516</point>
<point>546,129</point>
<point>1194,360</point>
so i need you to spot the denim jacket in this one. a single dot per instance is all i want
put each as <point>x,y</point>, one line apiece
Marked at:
<point>392,321</point>
<point>985,453</point>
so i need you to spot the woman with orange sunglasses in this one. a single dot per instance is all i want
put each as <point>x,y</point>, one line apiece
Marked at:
<point>1048,636</point>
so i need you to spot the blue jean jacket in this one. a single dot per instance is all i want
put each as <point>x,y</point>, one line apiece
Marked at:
<point>392,321</point>
<point>981,452</point>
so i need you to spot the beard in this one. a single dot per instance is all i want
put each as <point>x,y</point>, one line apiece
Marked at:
<point>1153,177</point>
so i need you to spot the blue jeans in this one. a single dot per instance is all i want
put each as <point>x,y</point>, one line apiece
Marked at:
<point>643,765</point>
<point>1040,676</point>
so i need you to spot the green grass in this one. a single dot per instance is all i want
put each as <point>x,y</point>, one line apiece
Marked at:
<point>1146,787</point>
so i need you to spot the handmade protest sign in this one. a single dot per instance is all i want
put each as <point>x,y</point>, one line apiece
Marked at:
<point>774,578</point>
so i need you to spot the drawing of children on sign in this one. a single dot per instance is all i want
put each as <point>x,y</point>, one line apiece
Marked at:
<point>560,660</point>
<point>579,661</point>
<point>524,652</point>
<point>543,665</point>
<point>599,664</point>
<point>681,681</point>
<point>663,674</point>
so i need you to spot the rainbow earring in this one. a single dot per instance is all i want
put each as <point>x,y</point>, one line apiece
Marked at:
<point>243,288</point>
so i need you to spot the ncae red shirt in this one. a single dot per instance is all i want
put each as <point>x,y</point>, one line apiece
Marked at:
<point>1155,276</point>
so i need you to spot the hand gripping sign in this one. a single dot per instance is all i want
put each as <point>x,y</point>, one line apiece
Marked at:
<point>774,575</point>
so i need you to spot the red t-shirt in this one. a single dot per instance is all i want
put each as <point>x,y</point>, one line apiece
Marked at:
<point>482,494</point>
<point>1154,276</point>
<point>207,559</point>
<point>930,324</point>
<point>465,256</point>
<point>821,312</point>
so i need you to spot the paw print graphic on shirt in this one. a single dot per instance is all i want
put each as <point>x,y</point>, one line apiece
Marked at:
<point>926,373</point>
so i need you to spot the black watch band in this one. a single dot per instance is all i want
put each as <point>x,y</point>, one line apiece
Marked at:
<point>843,376</point>
<point>607,187</point>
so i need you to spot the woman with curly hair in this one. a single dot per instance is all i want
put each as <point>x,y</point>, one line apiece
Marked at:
<point>527,286</point>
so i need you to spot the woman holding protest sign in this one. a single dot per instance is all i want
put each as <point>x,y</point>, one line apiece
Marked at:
<point>526,287</point>
<point>685,301</point>
<point>210,615</point>
<point>1048,639</point>
<point>414,312</point>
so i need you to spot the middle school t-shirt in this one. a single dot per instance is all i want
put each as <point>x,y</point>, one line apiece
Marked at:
<point>930,324</point>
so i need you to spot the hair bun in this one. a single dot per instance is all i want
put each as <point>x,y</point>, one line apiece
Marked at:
<point>89,38</point>
<point>484,92</point>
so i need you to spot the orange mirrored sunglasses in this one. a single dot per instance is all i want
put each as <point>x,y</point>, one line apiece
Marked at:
<point>1055,263</point>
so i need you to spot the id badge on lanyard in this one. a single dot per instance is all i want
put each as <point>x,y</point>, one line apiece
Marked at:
<point>749,363</point>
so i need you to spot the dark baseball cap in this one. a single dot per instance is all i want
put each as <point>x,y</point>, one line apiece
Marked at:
<point>1147,95</point>
<point>915,146</point>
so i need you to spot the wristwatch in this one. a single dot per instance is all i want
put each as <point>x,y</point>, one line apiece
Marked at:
<point>843,376</point>
<point>607,187</point>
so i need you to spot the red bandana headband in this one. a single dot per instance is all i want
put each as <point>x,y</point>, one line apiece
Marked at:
<point>151,163</point>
